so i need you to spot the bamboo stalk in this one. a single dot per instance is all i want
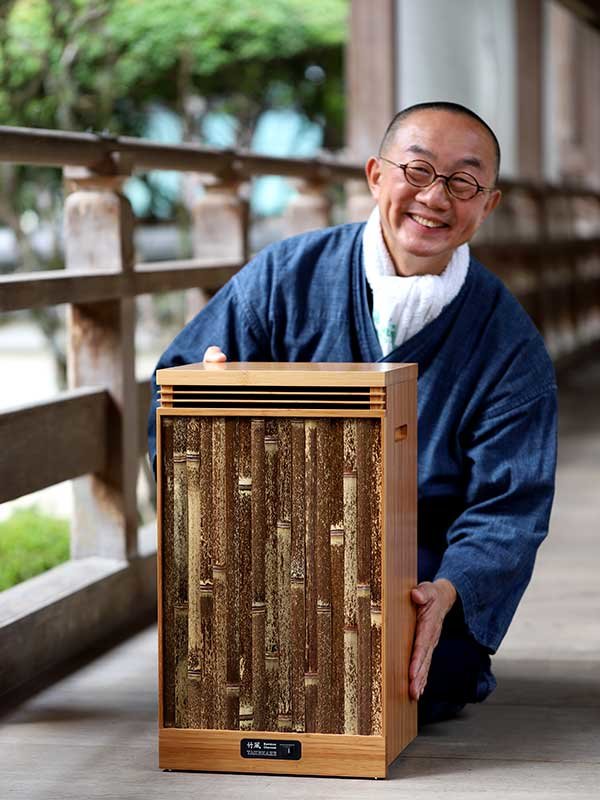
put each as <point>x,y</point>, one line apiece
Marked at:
<point>168,574</point>
<point>364,659</point>
<point>375,480</point>
<point>208,686</point>
<point>181,665</point>
<point>311,683</point>
<point>376,667</point>
<point>271,574</point>
<point>323,572</point>
<point>259,614</point>
<point>284,547</point>
<point>350,580</point>
<point>364,486</point>
<point>220,644</point>
<point>350,681</point>
<point>232,566</point>
<point>337,630</point>
<point>195,665</point>
<point>325,706</point>
<point>205,583</point>
<point>257,434</point>
<point>180,520</point>
<point>244,524</point>
<point>232,706</point>
<point>284,488</point>
<point>297,574</point>
<point>310,466</point>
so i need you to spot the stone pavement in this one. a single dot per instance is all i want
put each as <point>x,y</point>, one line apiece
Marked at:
<point>93,734</point>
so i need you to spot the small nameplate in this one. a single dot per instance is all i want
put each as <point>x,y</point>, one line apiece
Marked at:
<point>270,748</point>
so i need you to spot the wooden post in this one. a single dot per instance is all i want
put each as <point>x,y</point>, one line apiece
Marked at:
<point>529,40</point>
<point>219,230</point>
<point>308,210</point>
<point>98,228</point>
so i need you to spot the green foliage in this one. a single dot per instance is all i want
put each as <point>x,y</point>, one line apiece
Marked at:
<point>31,542</point>
<point>81,64</point>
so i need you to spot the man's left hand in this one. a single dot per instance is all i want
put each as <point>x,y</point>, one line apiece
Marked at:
<point>433,602</point>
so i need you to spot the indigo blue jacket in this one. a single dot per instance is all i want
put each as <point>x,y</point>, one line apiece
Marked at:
<point>487,401</point>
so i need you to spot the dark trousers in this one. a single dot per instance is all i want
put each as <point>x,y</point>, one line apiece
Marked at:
<point>460,671</point>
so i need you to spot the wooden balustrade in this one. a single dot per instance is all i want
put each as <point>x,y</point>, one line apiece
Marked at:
<point>543,241</point>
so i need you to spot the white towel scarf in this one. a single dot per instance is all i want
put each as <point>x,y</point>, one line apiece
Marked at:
<point>402,306</point>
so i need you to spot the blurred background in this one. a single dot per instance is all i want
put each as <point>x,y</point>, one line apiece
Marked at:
<point>289,79</point>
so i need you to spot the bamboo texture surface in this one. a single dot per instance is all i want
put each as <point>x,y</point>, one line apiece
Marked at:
<point>272,574</point>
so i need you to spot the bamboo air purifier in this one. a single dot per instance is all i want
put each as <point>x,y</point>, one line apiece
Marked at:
<point>287,551</point>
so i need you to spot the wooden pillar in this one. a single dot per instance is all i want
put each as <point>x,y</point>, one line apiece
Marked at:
<point>530,29</point>
<point>308,210</point>
<point>98,228</point>
<point>219,230</point>
<point>371,77</point>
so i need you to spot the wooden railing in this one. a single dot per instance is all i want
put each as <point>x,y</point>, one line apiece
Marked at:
<point>543,241</point>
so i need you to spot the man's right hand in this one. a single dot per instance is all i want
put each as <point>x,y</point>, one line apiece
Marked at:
<point>214,355</point>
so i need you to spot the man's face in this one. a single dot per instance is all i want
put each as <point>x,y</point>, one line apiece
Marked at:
<point>423,226</point>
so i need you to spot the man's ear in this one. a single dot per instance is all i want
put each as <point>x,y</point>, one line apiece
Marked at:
<point>492,202</point>
<point>373,173</point>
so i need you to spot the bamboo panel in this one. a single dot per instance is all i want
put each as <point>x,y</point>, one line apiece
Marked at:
<point>180,540</point>
<point>282,629</point>
<point>168,574</point>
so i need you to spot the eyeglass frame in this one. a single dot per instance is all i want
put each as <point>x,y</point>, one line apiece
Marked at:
<point>446,178</point>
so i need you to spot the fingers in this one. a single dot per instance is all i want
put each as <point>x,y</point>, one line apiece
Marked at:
<point>214,354</point>
<point>430,617</point>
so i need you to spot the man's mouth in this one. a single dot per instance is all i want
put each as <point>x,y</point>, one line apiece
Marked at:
<point>427,223</point>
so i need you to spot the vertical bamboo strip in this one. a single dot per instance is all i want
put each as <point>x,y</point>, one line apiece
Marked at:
<point>232,569</point>
<point>376,524</point>
<point>219,569</point>
<point>364,659</point>
<point>337,630</point>
<point>284,488</point>
<point>376,667</point>
<point>350,580</point>
<point>205,584</point>
<point>284,547</point>
<point>232,706</point>
<point>311,685</point>
<point>310,466</point>
<point>271,598</point>
<point>195,666</point>
<point>168,574</point>
<point>257,444</point>
<point>323,570</point>
<point>181,569</point>
<point>364,488</point>
<point>298,630</point>
<point>244,524</point>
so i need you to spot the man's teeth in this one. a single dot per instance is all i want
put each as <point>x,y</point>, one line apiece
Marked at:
<point>427,222</point>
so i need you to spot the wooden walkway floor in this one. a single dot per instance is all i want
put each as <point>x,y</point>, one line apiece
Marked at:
<point>93,734</point>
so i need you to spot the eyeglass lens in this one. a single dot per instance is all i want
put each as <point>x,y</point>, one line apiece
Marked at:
<point>460,184</point>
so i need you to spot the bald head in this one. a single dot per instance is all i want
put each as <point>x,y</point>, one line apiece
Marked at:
<point>452,108</point>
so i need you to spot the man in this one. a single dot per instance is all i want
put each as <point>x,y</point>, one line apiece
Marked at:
<point>404,288</point>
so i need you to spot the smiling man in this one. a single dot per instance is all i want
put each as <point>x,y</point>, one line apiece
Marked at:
<point>403,287</point>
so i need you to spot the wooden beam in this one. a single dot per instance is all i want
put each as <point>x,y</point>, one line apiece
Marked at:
<point>46,443</point>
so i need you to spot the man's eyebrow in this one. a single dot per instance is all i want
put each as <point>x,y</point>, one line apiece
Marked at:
<point>468,161</point>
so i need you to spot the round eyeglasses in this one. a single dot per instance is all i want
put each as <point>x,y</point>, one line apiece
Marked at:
<point>461,185</point>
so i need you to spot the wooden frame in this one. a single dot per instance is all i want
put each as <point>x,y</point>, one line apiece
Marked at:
<point>339,754</point>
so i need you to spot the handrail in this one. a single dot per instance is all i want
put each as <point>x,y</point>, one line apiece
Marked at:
<point>105,154</point>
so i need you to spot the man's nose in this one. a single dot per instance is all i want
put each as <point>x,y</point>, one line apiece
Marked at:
<point>436,194</point>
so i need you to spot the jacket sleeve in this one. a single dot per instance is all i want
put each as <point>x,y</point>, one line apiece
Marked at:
<point>230,321</point>
<point>511,461</point>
